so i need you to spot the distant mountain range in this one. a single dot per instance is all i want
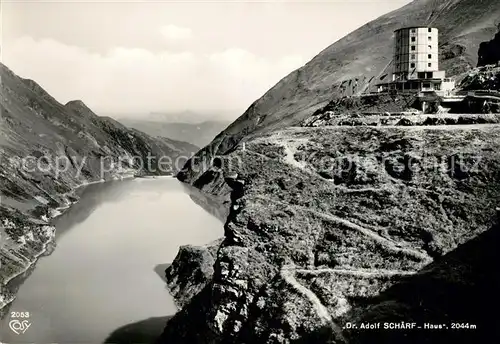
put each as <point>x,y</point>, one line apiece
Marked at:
<point>47,149</point>
<point>193,117</point>
<point>199,134</point>
<point>187,116</point>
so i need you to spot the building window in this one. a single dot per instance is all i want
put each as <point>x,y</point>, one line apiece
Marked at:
<point>430,47</point>
<point>413,30</point>
<point>429,38</point>
<point>429,64</point>
<point>413,39</point>
<point>429,56</point>
<point>430,30</point>
<point>413,48</point>
<point>413,56</point>
<point>412,65</point>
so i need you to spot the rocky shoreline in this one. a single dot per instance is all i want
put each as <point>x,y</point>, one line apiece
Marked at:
<point>47,151</point>
<point>7,292</point>
<point>305,247</point>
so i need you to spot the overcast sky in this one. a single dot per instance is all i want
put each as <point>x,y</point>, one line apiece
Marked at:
<point>138,56</point>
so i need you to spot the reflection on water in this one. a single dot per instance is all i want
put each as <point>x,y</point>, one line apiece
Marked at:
<point>160,270</point>
<point>103,275</point>
<point>91,197</point>
<point>212,205</point>
<point>144,331</point>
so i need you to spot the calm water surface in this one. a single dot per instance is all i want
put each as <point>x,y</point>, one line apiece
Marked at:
<point>102,274</point>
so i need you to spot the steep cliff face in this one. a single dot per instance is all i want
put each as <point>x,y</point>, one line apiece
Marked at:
<point>47,149</point>
<point>453,297</point>
<point>191,271</point>
<point>342,217</point>
<point>324,218</point>
<point>489,52</point>
<point>366,52</point>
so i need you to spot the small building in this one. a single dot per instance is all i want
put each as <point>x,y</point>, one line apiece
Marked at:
<point>416,63</point>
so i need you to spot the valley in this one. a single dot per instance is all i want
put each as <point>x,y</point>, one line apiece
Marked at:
<point>101,270</point>
<point>342,206</point>
<point>199,134</point>
<point>47,151</point>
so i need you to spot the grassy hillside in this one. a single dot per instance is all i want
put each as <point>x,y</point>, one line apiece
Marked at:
<point>366,52</point>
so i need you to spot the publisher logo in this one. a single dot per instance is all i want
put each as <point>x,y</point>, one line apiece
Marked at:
<point>19,326</point>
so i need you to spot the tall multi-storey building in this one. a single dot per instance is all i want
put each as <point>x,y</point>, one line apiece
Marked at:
<point>416,51</point>
<point>416,62</point>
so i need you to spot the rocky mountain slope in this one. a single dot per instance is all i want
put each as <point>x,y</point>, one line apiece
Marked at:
<point>199,134</point>
<point>489,51</point>
<point>326,217</point>
<point>47,149</point>
<point>351,211</point>
<point>366,52</point>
